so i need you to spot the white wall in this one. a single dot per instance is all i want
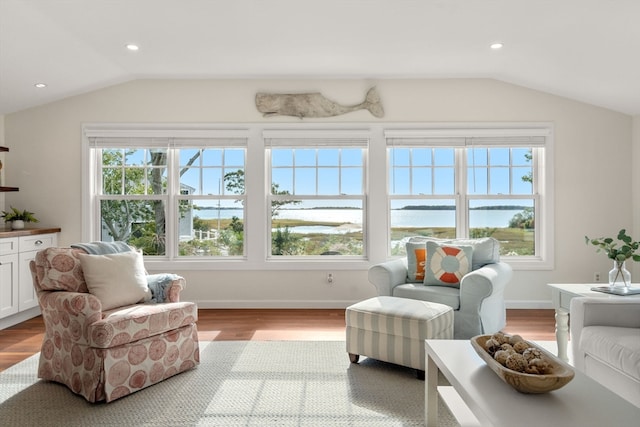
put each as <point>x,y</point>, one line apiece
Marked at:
<point>593,168</point>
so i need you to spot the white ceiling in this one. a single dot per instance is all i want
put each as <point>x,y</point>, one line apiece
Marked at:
<point>588,50</point>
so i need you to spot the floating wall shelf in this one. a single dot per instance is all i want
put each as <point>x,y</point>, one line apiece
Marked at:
<point>2,188</point>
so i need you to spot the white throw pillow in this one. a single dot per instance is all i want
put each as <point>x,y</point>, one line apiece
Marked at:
<point>116,279</point>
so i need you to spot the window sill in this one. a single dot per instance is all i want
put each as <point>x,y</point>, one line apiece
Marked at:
<point>239,264</point>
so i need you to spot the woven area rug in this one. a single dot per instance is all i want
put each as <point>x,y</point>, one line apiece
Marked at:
<point>238,383</point>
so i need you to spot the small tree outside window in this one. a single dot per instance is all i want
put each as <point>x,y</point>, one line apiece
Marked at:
<point>149,186</point>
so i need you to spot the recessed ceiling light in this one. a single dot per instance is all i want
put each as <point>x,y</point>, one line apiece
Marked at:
<point>133,47</point>
<point>496,46</point>
<point>40,85</point>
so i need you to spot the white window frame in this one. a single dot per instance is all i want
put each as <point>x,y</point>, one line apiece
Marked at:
<point>257,185</point>
<point>317,139</point>
<point>538,136</point>
<point>223,144</point>
<point>128,136</point>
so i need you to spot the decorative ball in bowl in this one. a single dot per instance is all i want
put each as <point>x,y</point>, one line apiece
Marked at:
<point>523,365</point>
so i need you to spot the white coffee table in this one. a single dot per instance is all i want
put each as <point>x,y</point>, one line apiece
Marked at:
<point>561,295</point>
<point>477,396</point>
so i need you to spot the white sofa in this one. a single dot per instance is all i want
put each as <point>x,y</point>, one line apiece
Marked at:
<point>605,339</point>
<point>478,302</point>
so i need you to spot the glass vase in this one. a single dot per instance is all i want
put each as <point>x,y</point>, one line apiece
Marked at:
<point>619,275</point>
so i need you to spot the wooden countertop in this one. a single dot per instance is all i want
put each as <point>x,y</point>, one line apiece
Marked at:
<point>8,232</point>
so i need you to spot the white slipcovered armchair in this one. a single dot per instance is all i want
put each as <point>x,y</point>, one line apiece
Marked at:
<point>605,340</point>
<point>477,301</point>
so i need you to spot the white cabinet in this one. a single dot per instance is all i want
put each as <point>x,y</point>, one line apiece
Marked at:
<point>17,294</point>
<point>8,280</point>
<point>29,247</point>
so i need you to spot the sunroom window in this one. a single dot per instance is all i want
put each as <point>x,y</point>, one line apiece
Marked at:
<point>467,185</point>
<point>170,197</point>
<point>211,203</point>
<point>260,196</point>
<point>317,196</point>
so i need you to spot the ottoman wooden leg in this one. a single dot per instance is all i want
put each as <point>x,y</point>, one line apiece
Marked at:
<point>354,357</point>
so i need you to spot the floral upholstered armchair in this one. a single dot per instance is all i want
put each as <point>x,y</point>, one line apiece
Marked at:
<point>105,337</point>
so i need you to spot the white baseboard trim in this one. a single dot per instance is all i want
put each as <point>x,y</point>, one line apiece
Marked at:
<point>293,304</point>
<point>530,305</point>
<point>274,304</point>
<point>19,317</point>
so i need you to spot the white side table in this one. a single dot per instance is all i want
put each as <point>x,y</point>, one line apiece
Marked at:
<point>561,295</point>
<point>478,397</point>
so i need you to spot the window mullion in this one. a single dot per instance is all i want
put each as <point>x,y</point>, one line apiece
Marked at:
<point>461,192</point>
<point>200,167</point>
<point>146,168</point>
<point>488,170</point>
<point>123,176</point>
<point>535,161</point>
<point>317,170</point>
<point>293,172</point>
<point>432,168</point>
<point>511,169</point>
<point>172,199</point>
<point>340,172</point>
<point>410,170</point>
<point>97,178</point>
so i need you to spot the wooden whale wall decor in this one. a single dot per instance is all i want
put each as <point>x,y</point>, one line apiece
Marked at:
<point>313,105</point>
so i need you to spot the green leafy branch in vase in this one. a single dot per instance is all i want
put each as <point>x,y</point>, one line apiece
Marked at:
<point>619,250</point>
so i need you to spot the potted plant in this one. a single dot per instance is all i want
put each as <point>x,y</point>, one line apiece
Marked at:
<point>18,217</point>
<point>619,250</point>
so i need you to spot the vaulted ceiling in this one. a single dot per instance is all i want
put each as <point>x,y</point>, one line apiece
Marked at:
<point>587,50</point>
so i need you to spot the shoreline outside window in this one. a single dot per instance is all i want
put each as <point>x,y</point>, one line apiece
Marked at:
<point>422,193</point>
<point>175,173</point>
<point>317,195</point>
<point>468,183</point>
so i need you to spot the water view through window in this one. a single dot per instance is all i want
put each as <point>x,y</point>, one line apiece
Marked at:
<point>317,200</point>
<point>428,198</point>
<point>318,197</point>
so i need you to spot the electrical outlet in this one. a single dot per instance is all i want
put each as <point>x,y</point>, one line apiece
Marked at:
<point>329,278</point>
<point>596,277</point>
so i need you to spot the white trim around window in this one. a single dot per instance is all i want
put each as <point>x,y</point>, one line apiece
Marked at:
<point>256,255</point>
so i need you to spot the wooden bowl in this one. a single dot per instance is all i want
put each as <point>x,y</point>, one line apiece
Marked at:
<point>561,372</point>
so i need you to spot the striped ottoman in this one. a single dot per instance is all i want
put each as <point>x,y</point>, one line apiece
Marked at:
<point>394,329</point>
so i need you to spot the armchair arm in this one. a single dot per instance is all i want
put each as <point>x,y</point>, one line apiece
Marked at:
<point>482,283</point>
<point>69,313</point>
<point>482,309</point>
<point>77,304</point>
<point>387,275</point>
<point>166,287</point>
<point>177,285</point>
<point>593,311</point>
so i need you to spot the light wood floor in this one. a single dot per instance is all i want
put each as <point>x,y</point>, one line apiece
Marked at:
<point>23,340</point>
